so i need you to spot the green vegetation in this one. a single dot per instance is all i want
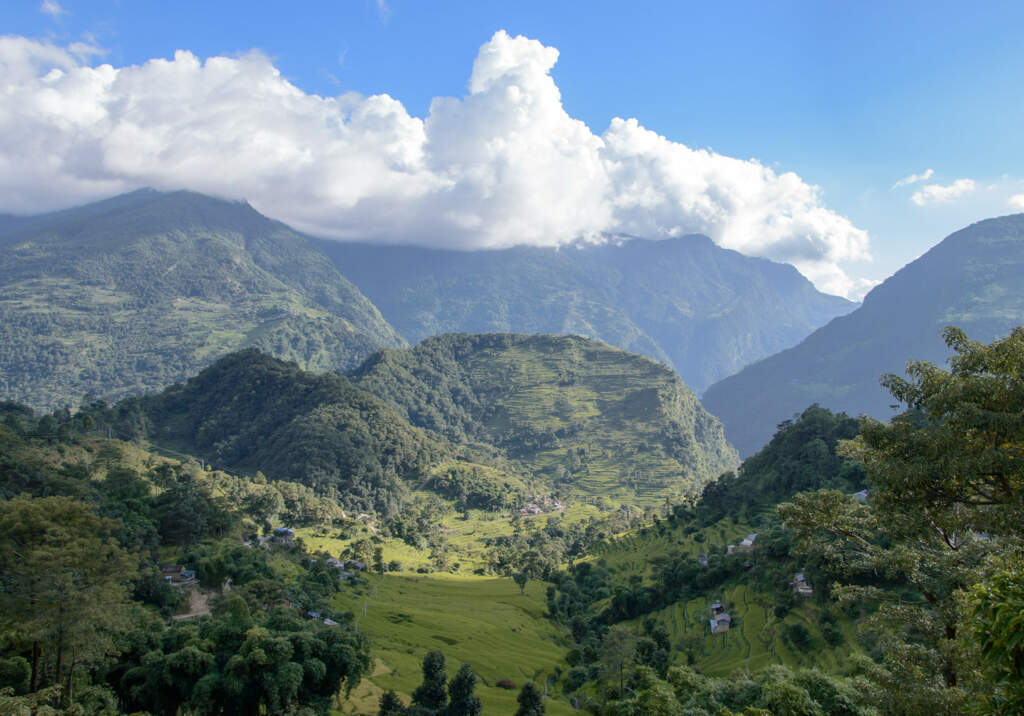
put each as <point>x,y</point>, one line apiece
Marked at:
<point>250,412</point>
<point>974,279</point>
<point>901,599</point>
<point>703,310</point>
<point>943,523</point>
<point>482,621</point>
<point>585,418</point>
<point>138,292</point>
<point>86,525</point>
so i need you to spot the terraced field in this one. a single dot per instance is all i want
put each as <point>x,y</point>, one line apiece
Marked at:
<point>755,640</point>
<point>483,621</point>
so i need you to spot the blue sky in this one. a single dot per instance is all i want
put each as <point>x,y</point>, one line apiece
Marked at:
<point>851,97</point>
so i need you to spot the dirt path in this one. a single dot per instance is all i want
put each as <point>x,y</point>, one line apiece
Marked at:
<point>198,605</point>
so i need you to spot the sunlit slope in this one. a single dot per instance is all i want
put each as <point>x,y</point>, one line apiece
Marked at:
<point>588,419</point>
<point>483,621</point>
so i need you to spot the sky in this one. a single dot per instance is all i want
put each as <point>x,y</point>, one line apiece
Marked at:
<point>844,138</point>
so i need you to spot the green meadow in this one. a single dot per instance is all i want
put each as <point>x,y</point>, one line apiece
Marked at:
<point>483,621</point>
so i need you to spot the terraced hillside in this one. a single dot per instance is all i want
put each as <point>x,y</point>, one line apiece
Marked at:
<point>759,637</point>
<point>588,419</point>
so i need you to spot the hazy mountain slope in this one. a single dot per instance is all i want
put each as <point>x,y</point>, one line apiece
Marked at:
<point>704,310</point>
<point>582,416</point>
<point>142,290</point>
<point>973,279</point>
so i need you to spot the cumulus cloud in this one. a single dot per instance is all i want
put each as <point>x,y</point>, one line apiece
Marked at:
<point>503,165</point>
<point>938,194</point>
<point>914,178</point>
<point>1016,202</point>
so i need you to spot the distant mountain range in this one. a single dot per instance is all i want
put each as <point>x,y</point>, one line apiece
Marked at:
<point>973,279</point>
<point>703,310</point>
<point>137,292</point>
<point>140,291</point>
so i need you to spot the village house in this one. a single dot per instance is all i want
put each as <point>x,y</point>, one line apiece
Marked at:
<point>801,586</point>
<point>177,576</point>
<point>720,620</point>
<point>702,560</point>
<point>284,536</point>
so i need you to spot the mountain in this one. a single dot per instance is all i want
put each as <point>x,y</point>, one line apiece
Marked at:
<point>973,279</point>
<point>704,310</point>
<point>581,416</point>
<point>142,290</point>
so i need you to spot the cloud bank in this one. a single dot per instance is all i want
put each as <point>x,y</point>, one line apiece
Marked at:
<point>503,165</point>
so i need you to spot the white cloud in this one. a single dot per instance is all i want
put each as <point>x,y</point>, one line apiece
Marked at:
<point>1016,202</point>
<point>914,178</point>
<point>52,8</point>
<point>938,194</point>
<point>504,164</point>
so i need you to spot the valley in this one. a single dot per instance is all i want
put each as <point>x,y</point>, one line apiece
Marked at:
<point>280,503</point>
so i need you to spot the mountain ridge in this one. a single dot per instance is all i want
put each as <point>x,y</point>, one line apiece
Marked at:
<point>704,310</point>
<point>974,279</point>
<point>139,291</point>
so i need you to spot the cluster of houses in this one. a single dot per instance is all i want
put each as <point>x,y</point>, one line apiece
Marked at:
<point>720,620</point>
<point>346,568</point>
<point>539,505</point>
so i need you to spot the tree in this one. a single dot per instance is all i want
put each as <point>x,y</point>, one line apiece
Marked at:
<point>946,482</point>
<point>531,701</point>
<point>390,705</point>
<point>521,578</point>
<point>995,624</point>
<point>617,650</point>
<point>431,693</point>
<point>462,701</point>
<point>65,581</point>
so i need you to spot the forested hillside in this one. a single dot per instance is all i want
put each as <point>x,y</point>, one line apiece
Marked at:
<point>250,412</point>
<point>704,310</point>
<point>584,417</point>
<point>973,279</point>
<point>137,292</point>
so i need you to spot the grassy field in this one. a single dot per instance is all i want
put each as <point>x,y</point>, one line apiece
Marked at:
<point>483,621</point>
<point>467,539</point>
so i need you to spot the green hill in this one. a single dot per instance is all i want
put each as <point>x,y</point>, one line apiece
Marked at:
<point>586,418</point>
<point>249,412</point>
<point>134,293</point>
<point>704,310</point>
<point>973,279</point>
